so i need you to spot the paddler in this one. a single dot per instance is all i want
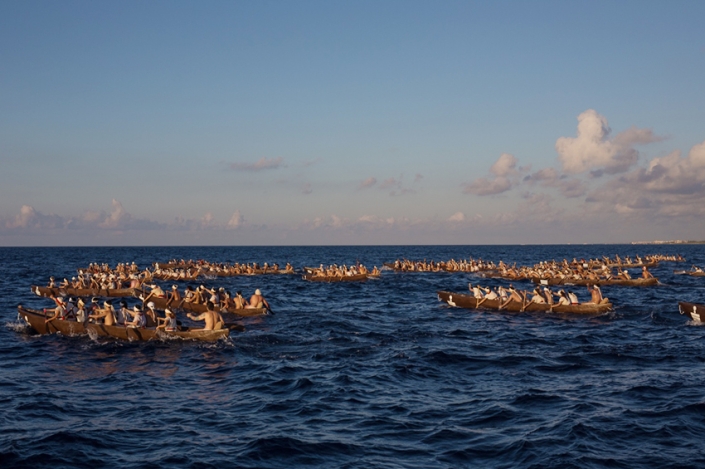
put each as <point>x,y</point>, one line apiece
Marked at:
<point>257,301</point>
<point>212,318</point>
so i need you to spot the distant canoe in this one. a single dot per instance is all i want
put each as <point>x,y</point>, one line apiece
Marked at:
<point>461,300</point>
<point>161,303</point>
<point>694,310</point>
<point>328,279</point>
<point>634,265</point>
<point>142,334</point>
<point>84,292</point>
<point>636,282</point>
<point>37,321</point>
<point>692,273</point>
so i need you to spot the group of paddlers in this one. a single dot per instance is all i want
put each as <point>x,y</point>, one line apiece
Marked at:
<point>341,271</point>
<point>565,271</point>
<point>191,270</point>
<point>465,265</point>
<point>79,310</point>
<point>537,295</point>
<point>220,298</point>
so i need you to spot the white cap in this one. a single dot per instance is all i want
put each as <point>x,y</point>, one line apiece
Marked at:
<point>257,292</point>
<point>150,304</point>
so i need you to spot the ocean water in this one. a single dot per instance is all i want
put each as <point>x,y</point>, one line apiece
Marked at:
<point>370,375</point>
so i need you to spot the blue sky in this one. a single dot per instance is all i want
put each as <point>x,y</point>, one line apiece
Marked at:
<point>350,122</point>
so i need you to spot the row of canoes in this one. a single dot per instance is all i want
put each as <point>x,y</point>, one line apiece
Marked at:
<point>37,320</point>
<point>159,303</point>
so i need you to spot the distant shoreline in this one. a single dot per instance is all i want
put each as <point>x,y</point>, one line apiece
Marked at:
<point>677,241</point>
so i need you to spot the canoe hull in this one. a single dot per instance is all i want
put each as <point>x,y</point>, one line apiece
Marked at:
<point>637,282</point>
<point>461,300</point>
<point>36,320</point>
<point>695,311</point>
<point>139,334</point>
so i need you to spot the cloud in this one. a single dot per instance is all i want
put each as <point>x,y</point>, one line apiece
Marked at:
<point>236,220</point>
<point>312,162</point>
<point>306,188</point>
<point>549,177</point>
<point>504,166</point>
<point>669,186</point>
<point>505,172</point>
<point>29,218</point>
<point>369,182</point>
<point>389,183</point>
<point>593,148</point>
<point>457,217</point>
<point>260,165</point>
<point>484,186</point>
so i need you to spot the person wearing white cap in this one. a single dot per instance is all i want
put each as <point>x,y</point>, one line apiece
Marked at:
<point>107,313</point>
<point>167,323</point>
<point>151,314</point>
<point>59,311</point>
<point>81,314</point>
<point>257,301</point>
<point>138,318</point>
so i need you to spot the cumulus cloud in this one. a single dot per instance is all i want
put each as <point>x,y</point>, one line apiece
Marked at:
<point>29,218</point>
<point>260,165</point>
<point>505,172</point>
<point>457,217</point>
<point>504,166</point>
<point>236,220</point>
<point>668,186</point>
<point>369,182</point>
<point>594,149</point>
<point>550,177</point>
<point>484,186</point>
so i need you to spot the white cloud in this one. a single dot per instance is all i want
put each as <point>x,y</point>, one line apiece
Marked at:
<point>236,220</point>
<point>260,165</point>
<point>369,182</point>
<point>457,217</point>
<point>504,166</point>
<point>484,186</point>
<point>593,148</point>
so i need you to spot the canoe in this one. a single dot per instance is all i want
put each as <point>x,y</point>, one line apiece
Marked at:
<point>694,310</point>
<point>85,292</point>
<point>134,333</point>
<point>36,320</point>
<point>634,265</point>
<point>347,278</point>
<point>692,273</point>
<point>161,303</point>
<point>461,300</point>
<point>635,282</point>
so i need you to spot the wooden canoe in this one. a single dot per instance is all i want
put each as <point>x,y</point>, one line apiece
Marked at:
<point>461,300</point>
<point>84,292</point>
<point>634,265</point>
<point>161,303</point>
<point>347,278</point>
<point>36,320</point>
<point>694,310</point>
<point>635,282</point>
<point>134,333</point>
<point>692,273</point>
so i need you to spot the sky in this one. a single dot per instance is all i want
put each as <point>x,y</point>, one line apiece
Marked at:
<point>365,122</point>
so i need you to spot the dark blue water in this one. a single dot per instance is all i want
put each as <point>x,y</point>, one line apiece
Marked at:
<point>367,375</point>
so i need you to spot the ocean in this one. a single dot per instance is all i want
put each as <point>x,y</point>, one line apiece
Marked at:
<point>377,374</point>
